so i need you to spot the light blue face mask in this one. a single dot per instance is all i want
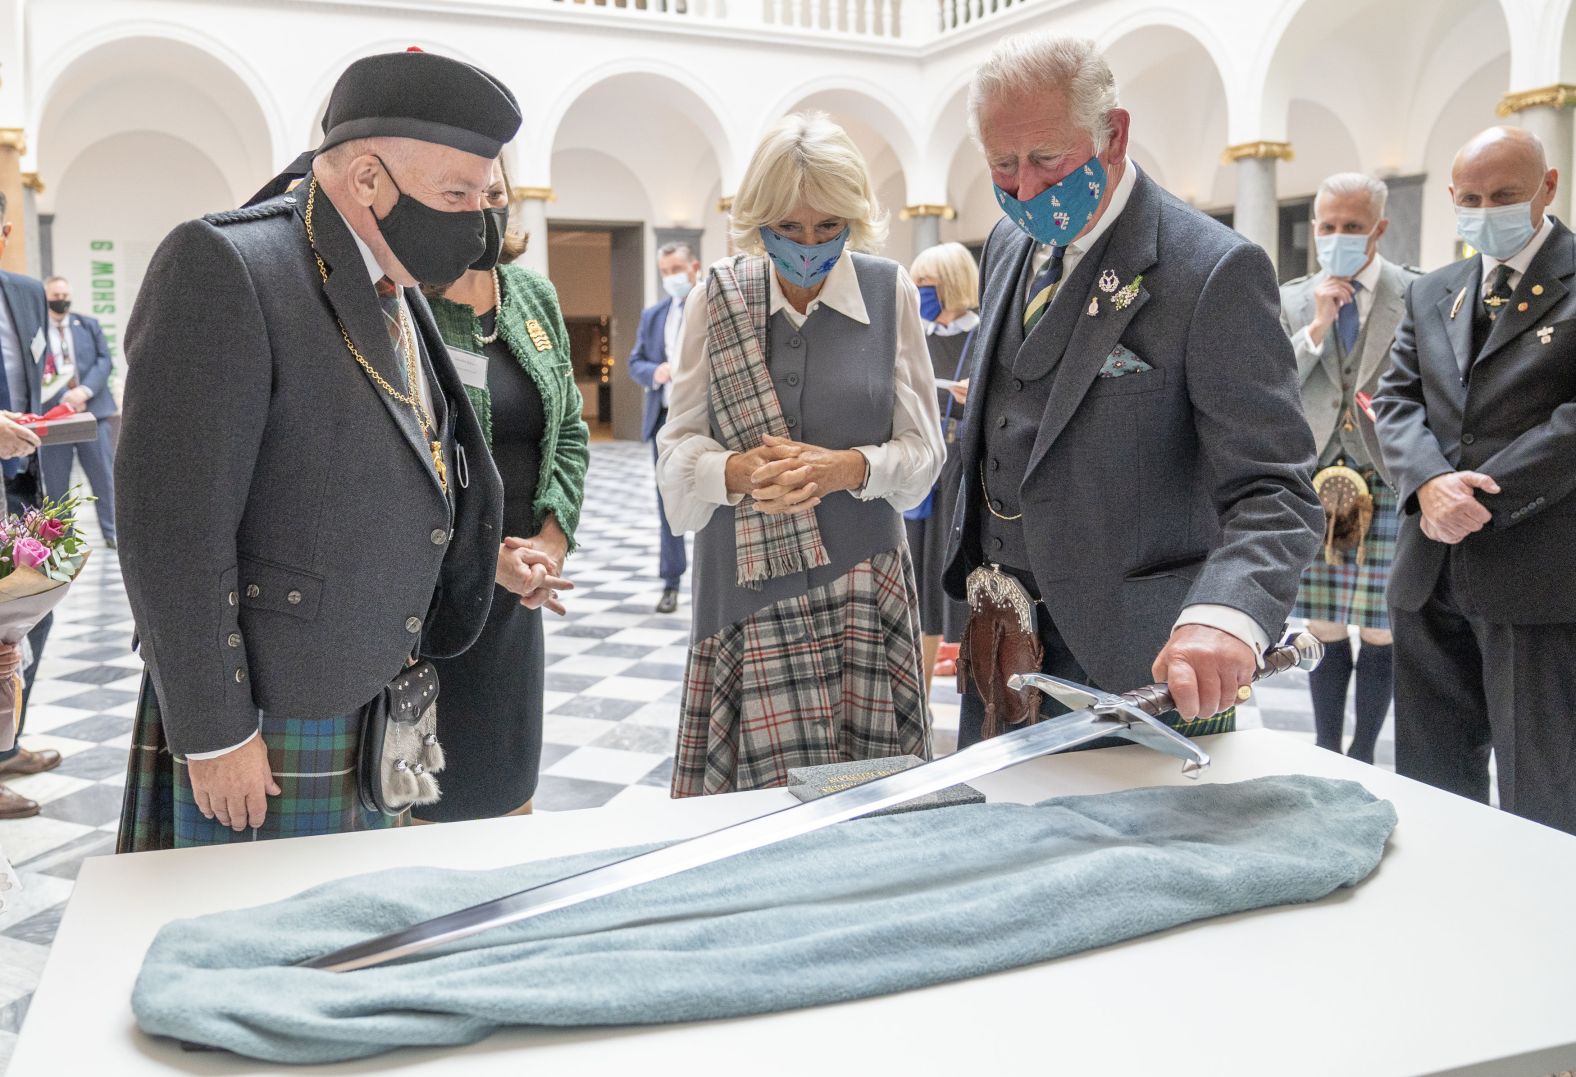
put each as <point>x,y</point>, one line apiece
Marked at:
<point>1497,231</point>
<point>1342,255</point>
<point>800,263</point>
<point>1060,212</point>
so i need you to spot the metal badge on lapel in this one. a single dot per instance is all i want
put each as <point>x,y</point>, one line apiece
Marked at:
<point>1108,282</point>
<point>1455,308</point>
<point>1094,306</point>
<point>1545,334</point>
<point>1537,289</point>
<point>1521,308</point>
<point>539,337</point>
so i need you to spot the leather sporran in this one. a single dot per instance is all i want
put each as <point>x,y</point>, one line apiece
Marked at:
<point>1348,511</point>
<point>399,744</point>
<point>998,641</point>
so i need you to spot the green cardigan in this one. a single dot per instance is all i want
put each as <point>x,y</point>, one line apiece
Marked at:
<point>529,296</point>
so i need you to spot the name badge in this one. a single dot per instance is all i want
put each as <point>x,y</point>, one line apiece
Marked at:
<point>38,345</point>
<point>472,368</point>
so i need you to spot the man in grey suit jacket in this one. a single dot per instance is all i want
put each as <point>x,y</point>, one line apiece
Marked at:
<point>1341,321</point>
<point>1477,420</point>
<point>1138,460</point>
<point>307,499</point>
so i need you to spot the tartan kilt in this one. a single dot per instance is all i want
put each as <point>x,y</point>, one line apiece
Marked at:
<point>313,762</point>
<point>1347,593</point>
<point>830,676</point>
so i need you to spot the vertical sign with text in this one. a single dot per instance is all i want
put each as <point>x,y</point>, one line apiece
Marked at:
<point>104,306</point>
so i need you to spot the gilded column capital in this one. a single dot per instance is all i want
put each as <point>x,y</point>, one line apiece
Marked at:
<point>31,181</point>
<point>532,194</point>
<point>908,213</point>
<point>1256,151</point>
<point>13,138</point>
<point>1560,95</point>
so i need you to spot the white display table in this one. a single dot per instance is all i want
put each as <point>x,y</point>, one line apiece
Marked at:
<point>1458,955</point>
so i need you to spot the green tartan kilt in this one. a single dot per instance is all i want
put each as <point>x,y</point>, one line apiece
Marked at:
<point>313,762</point>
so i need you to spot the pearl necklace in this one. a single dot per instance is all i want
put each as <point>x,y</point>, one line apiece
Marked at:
<point>497,312</point>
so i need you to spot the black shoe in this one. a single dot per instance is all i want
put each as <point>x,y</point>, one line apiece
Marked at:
<point>109,544</point>
<point>669,602</point>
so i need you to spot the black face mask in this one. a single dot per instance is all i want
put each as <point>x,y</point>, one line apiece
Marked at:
<point>497,225</point>
<point>437,247</point>
<point>60,306</point>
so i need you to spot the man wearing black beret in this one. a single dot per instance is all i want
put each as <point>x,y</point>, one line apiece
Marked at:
<point>307,501</point>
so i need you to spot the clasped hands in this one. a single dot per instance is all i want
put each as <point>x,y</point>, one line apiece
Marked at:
<point>1451,510</point>
<point>783,476</point>
<point>533,567</point>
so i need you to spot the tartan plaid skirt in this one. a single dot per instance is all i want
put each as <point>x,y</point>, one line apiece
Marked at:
<point>833,675</point>
<point>313,761</point>
<point>1348,593</point>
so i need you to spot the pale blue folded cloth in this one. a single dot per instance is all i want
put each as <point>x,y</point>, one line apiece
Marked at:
<point>865,908</point>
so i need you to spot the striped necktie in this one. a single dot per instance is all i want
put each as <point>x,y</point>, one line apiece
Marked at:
<point>388,299</point>
<point>1043,289</point>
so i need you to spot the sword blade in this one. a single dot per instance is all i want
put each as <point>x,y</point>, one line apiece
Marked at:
<point>986,757</point>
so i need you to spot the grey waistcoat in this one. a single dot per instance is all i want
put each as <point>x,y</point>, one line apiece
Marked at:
<point>1343,442</point>
<point>1012,411</point>
<point>834,380</point>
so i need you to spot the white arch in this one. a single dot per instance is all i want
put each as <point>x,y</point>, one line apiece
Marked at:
<point>693,93</point>
<point>868,102</point>
<point>55,68</point>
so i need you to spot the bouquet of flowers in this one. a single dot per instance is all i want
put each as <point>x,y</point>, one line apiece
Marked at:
<point>41,553</point>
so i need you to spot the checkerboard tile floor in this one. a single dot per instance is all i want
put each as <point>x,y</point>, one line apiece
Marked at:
<point>613,680</point>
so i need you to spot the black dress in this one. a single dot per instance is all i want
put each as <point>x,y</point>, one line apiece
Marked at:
<point>927,538</point>
<point>490,697</point>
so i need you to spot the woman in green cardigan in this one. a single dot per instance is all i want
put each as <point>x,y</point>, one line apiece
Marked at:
<point>507,338</point>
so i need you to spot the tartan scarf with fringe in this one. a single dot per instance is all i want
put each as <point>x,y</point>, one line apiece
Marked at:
<point>746,409</point>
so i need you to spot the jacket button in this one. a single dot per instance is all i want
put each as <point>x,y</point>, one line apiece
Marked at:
<point>1467,439</point>
<point>1017,385</point>
<point>995,544</point>
<point>1001,422</point>
<point>796,342</point>
<point>439,536</point>
<point>232,599</point>
<point>995,503</point>
<point>240,676</point>
<point>792,422</point>
<point>995,464</point>
<point>792,379</point>
<point>294,598</point>
<point>234,640</point>
<point>253,591</point>
<point>413,625</point>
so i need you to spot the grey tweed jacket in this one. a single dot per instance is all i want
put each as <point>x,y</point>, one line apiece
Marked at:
<point>284,539</point>
<point>1187,483</point>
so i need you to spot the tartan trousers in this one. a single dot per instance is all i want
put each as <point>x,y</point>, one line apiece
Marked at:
<point>313,761</point>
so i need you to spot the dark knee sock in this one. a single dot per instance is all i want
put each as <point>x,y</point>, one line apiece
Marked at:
<point>1328,684</point>
<point>1375,685</point>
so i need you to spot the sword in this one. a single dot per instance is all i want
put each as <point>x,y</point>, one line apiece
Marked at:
<point>1132,716</point>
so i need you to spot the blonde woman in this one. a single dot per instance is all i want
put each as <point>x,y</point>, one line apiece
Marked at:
<point>803,422</point>
<point>949,287</point>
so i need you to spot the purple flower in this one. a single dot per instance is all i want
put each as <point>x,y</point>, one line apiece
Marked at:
<point>30,553</point>
<point>51,530</point>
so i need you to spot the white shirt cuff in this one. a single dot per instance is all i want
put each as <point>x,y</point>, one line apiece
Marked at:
<point>877,483</point>
<point>1229,620</point>
<point>221,751</point>
<point>1303,339</point>
<point>711,479</point>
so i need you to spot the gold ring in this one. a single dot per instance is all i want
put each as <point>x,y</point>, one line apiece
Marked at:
<point>1244,692</point>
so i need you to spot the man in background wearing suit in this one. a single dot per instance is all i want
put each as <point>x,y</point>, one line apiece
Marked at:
<point>1341,321</point>
<point>1477,422</point>
<point>1138,462</point>
<point>79,347</point>
<point>24,348</point>
<point>651,365</point>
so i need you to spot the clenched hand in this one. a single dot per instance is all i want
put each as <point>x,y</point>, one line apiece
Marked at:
<point>1204,667</point>
<point>1451,510</point>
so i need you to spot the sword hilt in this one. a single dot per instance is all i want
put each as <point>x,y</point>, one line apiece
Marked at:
<point>1301,651</point>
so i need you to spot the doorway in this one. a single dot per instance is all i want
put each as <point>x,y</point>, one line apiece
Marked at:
<point>599,271</point>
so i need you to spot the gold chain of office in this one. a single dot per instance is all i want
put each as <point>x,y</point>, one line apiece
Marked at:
<point>985,491</point>
<point>411,399</point>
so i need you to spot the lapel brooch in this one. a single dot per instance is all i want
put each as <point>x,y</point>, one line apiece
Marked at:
<point>1127,293</point>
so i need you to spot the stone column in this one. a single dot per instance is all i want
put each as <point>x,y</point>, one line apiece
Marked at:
<point>13,144</point>
<point>1257,213</point>
<point>927,224</point>
<point>1402,242</point>
<point>39,260</point>
<point>528,206</point>
<point>1546,113</point>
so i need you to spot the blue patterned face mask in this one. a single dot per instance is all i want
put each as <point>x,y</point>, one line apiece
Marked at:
<point>1059,212</point>
<point>799,264</point>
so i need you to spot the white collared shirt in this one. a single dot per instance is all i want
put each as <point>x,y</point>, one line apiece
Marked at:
<point>1080,246</point>
<point>691,464</point>
<point>1522,259</point>
<point>963,323</point>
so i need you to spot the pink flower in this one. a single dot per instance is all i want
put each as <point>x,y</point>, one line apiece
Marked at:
<point>51,530</point>
<point>30,553</point>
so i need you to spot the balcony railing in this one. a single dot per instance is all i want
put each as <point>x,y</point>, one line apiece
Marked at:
<point>910,20</point>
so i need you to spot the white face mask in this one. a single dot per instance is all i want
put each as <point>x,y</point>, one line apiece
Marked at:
<point>1342,255</point>
<point>1497,231</point>
<point>677,285</point>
